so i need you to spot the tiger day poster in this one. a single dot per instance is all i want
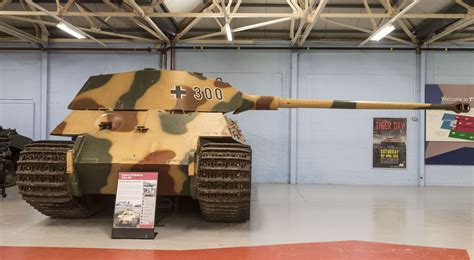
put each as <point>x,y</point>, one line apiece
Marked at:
<point>389,143</point>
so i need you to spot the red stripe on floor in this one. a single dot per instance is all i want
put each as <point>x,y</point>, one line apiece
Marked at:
<point>322,250</point>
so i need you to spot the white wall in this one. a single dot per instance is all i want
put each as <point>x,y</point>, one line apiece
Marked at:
<point>449,68</point>
<point>20,92</point>
<point>333,146</point>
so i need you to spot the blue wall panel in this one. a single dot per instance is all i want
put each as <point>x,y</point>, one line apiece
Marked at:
<point>333,146</point>
<point>20,88</point>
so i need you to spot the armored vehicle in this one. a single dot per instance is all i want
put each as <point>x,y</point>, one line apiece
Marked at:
<point>11,144</point>
<point>127,218</point>
<point>170,122</point>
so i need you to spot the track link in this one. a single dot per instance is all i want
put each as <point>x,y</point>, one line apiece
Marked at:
<point>224,181</point>
<point>6,159</point>
<point>43,181</point>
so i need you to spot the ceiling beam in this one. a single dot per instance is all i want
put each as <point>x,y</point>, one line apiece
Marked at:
<point>329,5</point>
<point>310,24</point>
<point>402,22</point>
<point>460,40</point>
<point>8,29</point>
<point>464,4</point>
<point>236,8</point>
<point>132,19</point>
<point>198,9</point>
<point>289,14</point>
<point>44,30</point>
<point>193,23</point>
<point>195,30</point>
<point>456,26</point>
<point>218,22</point>
<point>173,22</point>
<point>96,31</point>
<point>308,10</point>
<point>102,21</point>
<point>247,15</point>
<point>460,24</point>
<point>392,20</point>
<point>244,4</point>
<point>142,14</point>
<point>38,32</point>
<point>239,29</point>
<point>74,40</point>
<point>431,26</point>
<point>296,8</point>
<point>369,11</point>
<point>66,6</point>
<point>224,9</point>
<point>366,31</point>
<point>4,3</point>
<point>59,19</point>
<point>88,19</point>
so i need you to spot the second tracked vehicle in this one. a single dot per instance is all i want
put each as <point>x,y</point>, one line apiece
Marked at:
<point>170,122</point>
<point>11,144</point>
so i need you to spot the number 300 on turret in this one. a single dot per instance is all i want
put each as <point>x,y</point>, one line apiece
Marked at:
<point>208,93</point>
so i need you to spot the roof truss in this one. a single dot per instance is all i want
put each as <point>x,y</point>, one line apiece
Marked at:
<point>302,18</point>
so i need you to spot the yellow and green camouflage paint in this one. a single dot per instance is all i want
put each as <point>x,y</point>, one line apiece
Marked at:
<point>151,120</point>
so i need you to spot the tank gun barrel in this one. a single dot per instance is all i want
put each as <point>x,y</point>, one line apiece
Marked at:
<point>171,90</point>
<point>251,102</point>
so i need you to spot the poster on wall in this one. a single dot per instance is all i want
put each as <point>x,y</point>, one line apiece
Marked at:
<point>134,214</point>
<point>449,136</point>
<point>389,143</point>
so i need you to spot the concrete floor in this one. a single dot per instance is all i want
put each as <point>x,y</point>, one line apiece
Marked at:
<point>431,216</point>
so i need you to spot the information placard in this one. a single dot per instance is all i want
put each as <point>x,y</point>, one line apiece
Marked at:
<point>449,136</point>
<point>134,214</point>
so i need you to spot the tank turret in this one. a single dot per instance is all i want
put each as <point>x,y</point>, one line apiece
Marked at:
<point>170,122</point>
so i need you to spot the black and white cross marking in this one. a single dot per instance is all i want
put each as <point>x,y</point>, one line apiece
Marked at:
<point>178,92</point>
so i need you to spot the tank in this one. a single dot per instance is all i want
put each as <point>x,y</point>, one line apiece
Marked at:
<point>170,122</point>
<point>11,144</point>
<point>127,218</point>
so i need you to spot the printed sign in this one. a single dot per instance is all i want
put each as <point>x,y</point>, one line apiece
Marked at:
<point>447,127</point>
<point>449,136</point>
<point>134,215</point>
<point>389,143</point>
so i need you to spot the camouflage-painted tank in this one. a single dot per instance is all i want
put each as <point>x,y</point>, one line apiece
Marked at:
<point>11,144</point>
<point>171,122</point>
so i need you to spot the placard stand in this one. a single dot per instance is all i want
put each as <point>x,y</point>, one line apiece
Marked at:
<point>134,214</point>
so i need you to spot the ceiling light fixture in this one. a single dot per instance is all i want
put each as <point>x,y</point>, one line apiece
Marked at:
<point>228,32</point>
<point>382,32</point>
<point>72,32</point>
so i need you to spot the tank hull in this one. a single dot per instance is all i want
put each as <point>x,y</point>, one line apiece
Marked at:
<point>106,143</point>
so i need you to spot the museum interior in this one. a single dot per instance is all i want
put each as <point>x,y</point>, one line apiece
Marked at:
<point>238,129</point>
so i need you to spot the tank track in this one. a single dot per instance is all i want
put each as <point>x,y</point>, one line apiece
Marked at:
<point>43,181</point>
<point>224,182</point>
<point>6,160</point>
